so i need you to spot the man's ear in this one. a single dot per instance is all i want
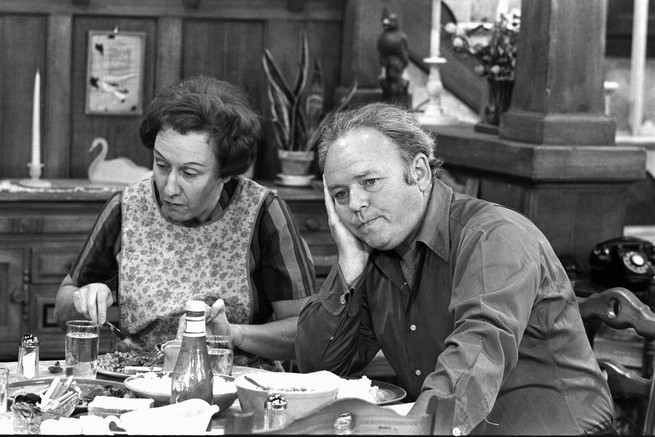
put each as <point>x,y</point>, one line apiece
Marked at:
<point>421,171</point>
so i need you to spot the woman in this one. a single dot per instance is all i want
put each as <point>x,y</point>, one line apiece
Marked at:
<point>196,231</point>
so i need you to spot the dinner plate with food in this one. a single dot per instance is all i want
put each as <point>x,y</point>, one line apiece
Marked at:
<point>44,388</point>
<point>122,364</point>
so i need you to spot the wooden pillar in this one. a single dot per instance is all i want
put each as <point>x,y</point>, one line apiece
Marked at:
<point>551,159</point>
<point>362,26</point>
<point>558,94</point>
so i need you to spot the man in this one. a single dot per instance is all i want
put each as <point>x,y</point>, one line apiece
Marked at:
<point>466,299</point>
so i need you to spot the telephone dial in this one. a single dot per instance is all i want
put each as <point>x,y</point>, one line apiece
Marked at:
<point>624,262</point>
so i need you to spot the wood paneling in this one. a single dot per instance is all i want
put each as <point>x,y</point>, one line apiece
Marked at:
<point>121,132</point>
<point>222,38</point>
<point>20,35</point>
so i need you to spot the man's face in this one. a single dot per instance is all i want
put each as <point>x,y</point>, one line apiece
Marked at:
<point>365,176</point>
<point>186,174</point>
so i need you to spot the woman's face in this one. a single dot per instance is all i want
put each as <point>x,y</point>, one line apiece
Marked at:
<point>186,173</point>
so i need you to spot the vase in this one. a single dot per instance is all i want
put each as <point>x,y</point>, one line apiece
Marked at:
<point>499,96</point>
<point>297,163</point>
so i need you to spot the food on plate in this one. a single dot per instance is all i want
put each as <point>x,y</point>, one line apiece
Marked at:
<point>104,406</point>
<point>360,388</point>
<point>159,383</point>
<point>121,361</point>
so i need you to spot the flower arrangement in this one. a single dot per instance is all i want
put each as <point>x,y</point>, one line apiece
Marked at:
<point>493,45</point>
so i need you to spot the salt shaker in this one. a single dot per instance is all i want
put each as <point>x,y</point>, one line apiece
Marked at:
<point>275,412</point>
<point>28,357</point>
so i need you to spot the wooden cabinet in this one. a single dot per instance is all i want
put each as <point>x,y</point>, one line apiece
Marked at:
<point>41,234</point>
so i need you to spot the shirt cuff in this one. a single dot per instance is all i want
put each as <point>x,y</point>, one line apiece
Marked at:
<point>336,294</point>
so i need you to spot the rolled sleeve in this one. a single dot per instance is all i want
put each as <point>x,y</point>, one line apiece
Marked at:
<point>329,335</point>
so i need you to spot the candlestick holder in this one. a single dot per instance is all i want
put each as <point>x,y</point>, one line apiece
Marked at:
<point>35,180</point>
<point>433,114</point>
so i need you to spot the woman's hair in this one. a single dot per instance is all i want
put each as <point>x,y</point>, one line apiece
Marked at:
<point>203,104</point>
<point>399,125</point>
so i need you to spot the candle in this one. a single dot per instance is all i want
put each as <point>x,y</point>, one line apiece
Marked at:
<point>435,32</point>
<point>502,8</point>
<point>36,121</point>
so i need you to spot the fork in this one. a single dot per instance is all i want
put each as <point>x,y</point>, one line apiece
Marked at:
<point>153,356</point>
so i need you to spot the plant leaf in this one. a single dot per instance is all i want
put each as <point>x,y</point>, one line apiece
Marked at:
<point>304,66</point>
<point>313,140</point>
<point>273,74</point>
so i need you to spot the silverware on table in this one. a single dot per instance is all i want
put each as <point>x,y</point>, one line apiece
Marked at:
<point>252,381</point>
<point>117,332</point>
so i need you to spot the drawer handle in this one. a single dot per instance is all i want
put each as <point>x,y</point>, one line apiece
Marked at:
<point>312,224</point>
<point>19,295</point>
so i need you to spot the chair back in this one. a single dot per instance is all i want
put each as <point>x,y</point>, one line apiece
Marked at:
<point>619,308</point>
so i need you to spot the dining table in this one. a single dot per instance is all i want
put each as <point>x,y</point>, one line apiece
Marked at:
<point>218,422</point>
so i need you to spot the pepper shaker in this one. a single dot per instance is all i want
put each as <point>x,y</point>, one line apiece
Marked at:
<point>28,357</point>
<point>275,412</point>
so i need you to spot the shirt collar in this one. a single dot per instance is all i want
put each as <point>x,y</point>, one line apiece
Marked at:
<point>435,228</point>
<point>434,232</point>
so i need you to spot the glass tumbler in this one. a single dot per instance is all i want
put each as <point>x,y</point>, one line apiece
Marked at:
<point>221,353</point>
<point>82,341</point>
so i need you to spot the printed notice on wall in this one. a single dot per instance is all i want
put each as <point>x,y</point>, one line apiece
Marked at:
<point>114,80</point>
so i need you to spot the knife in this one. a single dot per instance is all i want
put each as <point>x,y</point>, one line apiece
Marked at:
<point>115,330</point>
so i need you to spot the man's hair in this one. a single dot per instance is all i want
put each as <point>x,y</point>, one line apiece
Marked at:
<point>207,105</point>
<point>398,124</point>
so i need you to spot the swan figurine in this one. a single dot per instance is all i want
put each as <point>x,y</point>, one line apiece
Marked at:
<point>118,170</point>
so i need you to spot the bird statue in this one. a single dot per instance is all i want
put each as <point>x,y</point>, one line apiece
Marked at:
<point>117,170</point>
<point>394,59</point>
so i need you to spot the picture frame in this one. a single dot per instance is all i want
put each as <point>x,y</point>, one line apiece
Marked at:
<point>114,79</point>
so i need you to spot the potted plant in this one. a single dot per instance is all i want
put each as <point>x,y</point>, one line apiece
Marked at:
<point>298,114</point>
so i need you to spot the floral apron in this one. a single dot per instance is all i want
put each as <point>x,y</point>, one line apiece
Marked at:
<point>163,265</point>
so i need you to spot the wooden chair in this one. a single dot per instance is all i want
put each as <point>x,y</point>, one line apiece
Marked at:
<point>356,416</point>
<point>619,308</point>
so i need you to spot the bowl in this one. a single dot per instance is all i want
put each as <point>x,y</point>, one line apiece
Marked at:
<point>157,385</point>
<point>303,392</point>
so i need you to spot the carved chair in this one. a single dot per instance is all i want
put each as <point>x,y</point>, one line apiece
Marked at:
<point>619,308</point>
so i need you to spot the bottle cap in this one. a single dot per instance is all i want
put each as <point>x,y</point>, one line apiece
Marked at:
<point>195,306</point>
<point>29,340</point>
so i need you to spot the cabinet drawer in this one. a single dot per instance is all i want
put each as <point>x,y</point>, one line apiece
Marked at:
<point>50,264</point>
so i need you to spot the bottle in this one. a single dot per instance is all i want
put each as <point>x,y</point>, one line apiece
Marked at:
<point>28,357</point>
<point>192,376</point>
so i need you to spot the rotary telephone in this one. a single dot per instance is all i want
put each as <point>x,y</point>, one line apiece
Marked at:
<point>623,262</point>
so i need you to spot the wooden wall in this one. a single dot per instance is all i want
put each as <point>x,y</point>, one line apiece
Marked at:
<point>221,38</point>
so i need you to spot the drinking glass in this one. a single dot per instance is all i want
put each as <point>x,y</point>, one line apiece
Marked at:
<point>82,341</point>
<point>4,383</point>
<point>221,353</point>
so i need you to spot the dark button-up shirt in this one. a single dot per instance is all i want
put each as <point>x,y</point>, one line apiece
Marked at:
<point>491,320</point>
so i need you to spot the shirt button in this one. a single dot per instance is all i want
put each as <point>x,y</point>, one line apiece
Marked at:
<point>457,432</point>
<point>417,372</point>
<point>412,327</point>
<point>342,299</point>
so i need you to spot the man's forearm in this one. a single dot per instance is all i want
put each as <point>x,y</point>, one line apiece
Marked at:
<point>329,330</point>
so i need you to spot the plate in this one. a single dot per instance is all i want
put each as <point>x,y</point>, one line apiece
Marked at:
<point>38,384</point>
<point>117,375</point>
<point>294,180</point>
<point>392,393</point>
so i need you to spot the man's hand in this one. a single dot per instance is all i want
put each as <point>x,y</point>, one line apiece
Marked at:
<point>353,252</point>
<point>92,301</point>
